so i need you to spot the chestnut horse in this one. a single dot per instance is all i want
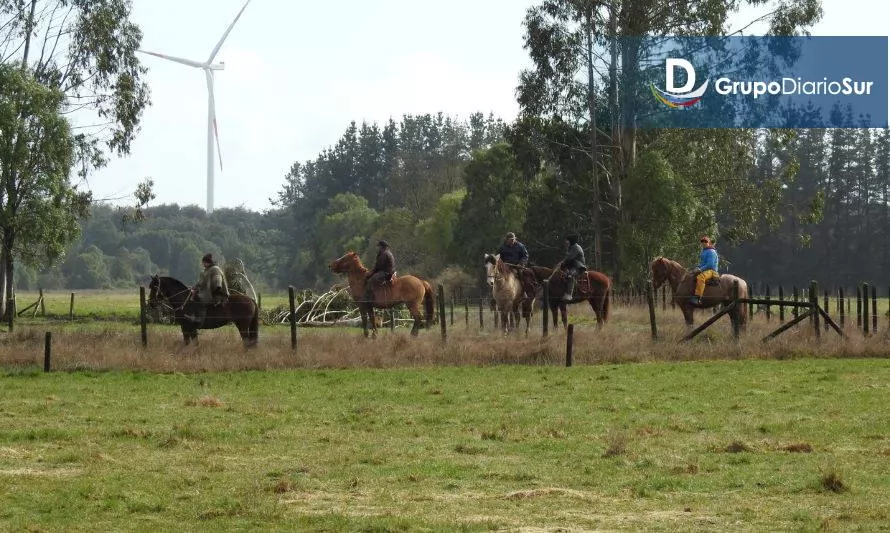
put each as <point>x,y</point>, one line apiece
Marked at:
<point>596,290</point>
<point>409,290</point>
<point>508,293</point>
<point>683,286</point>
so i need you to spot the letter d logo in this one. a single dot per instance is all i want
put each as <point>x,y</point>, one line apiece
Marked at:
<point>670,65</point>
<point>674,96</point>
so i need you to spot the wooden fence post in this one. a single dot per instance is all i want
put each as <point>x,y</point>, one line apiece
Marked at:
<point>10,312</point>
<point>874,309</point>
<point>649,300</point>
<point>292,301</point>
<point>827,308</point>
<point>858,306</point>
<point>865,308</point>
<point>781,307</point>
<point>768,312</point>
<point>840,305</point>
<point>545,300</point>
<point>47,351</point>
<point>736,312</point>
<point>42,304</point>
<point>814,308</point>
<point>570,333</point>
<point>481,313</point>
<point>442,313</point>
<point>467,311</point>
<point>143,329</point>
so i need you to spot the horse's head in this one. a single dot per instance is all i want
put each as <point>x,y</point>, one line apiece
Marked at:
<point>490,264</point>
<point>154,291</point>
<point>658,269</point>
<point>345,264</point>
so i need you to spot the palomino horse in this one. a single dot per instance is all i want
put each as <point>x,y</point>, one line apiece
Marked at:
<point>594,287</point>
<point>683,286</point>
<point>507,292</point>
<point>239,310</point>
<point>409,290</point>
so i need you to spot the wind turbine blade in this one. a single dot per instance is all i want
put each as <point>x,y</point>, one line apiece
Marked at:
<point>226,34</point>
<point>188,62</point>
<point>212,97</point>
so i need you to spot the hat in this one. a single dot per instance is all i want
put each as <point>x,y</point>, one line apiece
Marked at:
<point>510,235</point>
<point>207,258</point>
<point>383,243</point>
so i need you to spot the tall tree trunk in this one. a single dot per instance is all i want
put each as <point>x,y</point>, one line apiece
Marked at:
<point>9,177</point>
<point>596,208</point>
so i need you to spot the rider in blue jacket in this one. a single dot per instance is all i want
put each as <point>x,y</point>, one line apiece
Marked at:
<point>708,263</point>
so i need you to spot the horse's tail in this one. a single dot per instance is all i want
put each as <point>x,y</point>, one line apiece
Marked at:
<point>429,303</point>
<point>607,297</point>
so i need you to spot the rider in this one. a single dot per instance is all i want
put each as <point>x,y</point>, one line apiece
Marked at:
<point>513,252</point>
<point>572,264</point>
<point>211,288</point>
<point>706,269</point>
<point>384,267</point>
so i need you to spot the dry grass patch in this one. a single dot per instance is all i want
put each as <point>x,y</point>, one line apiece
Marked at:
<point>737,447</point>
<point>205,401</point>
<point>831,481</point>
<point>798,447</point>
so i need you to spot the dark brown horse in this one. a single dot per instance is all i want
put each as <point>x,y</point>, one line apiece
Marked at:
<point>596,289</point>
<point>683,286</point>
<point>239,310</point>
<point>410,290</point>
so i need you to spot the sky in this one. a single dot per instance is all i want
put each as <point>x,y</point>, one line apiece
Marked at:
<point>297,72</point>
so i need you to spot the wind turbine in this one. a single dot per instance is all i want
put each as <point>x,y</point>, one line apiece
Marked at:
<point>208,66</point>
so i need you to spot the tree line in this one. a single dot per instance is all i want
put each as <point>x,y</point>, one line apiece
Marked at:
<point>443,190</point>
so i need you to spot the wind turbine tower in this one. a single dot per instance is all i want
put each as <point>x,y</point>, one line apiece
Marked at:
<point>212,132</point>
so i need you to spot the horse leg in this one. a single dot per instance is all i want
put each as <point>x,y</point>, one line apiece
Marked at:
<point>598,311</point>
<point>687,314</point>
<point>565,315</point>
<point>414,310</point>
<point>372,319</point>
<point>553,313</point>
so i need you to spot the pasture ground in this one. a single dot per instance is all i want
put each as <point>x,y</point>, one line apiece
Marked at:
<point>479,433</point>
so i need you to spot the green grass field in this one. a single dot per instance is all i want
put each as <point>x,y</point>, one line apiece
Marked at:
<point>701,446</point>
<point>478,433</point>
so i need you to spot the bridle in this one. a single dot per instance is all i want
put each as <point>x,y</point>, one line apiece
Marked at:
<point>157,297</point>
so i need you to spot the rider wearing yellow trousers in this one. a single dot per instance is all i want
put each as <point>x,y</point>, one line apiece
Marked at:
<point>707,267</point>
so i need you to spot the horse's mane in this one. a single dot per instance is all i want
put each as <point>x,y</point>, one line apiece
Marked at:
<point>358,259</point>
<point>668,262</point>
<point>173,281</point>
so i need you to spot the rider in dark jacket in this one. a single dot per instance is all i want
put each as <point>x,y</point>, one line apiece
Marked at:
<point>513,251</point>
<point>384,267</point>
<point>572,264</point>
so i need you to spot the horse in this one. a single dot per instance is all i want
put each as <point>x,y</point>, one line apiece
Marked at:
<point>508,293</point>
<point>410,290</point>
<point>682,284</point>
<point>239,310</point>
<point>594,287</point>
